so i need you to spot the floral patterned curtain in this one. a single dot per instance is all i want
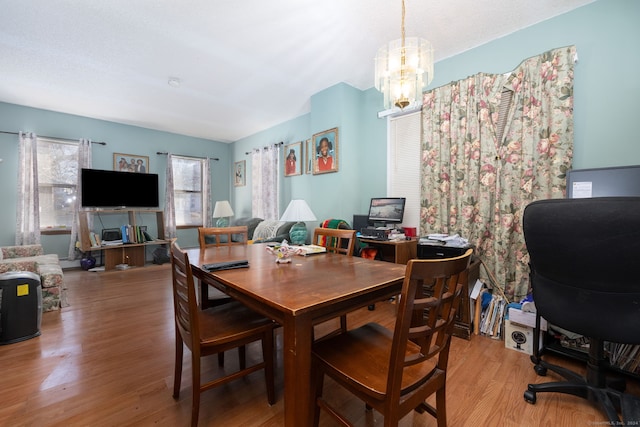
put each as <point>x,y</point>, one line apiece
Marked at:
<point>476,185</point>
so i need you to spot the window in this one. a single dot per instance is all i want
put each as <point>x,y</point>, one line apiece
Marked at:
<point>57,179</point>
<point>188,191</point>
<point>404,164</point>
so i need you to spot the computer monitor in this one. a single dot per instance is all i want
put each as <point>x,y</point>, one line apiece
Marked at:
<point>387,210</point>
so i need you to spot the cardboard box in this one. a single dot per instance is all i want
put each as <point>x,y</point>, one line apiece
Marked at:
<point>518,330</point>
<point>525,318</point>
<point>518,337</point>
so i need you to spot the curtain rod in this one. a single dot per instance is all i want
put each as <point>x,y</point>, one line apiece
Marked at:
<point>166,153</point>
<point>264,148</point>
<point>54,137</point>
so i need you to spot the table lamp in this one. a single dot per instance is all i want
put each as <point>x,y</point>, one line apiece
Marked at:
<point>222,211</point>
<point>298,211</point>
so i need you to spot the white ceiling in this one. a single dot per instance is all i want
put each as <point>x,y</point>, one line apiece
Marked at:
<point>244,65</point>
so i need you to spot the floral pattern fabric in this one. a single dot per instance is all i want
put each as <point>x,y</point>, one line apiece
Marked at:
<point>30,258</point>
<point>478,186</point>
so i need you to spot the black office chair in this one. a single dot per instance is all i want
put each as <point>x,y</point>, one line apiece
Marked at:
<point>584,258</point>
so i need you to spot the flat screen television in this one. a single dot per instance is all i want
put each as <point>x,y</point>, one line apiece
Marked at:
<point>114,189</point>
<point>388,210</point>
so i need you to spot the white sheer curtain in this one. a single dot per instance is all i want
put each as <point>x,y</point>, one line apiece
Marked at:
<point>169,207</point>
<point>84,161</point>
<point>206,193</point>
<point>265,186</point>
<point>28,208</point>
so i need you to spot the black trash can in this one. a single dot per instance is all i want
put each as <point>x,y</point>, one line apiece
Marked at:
<point>20,306</point>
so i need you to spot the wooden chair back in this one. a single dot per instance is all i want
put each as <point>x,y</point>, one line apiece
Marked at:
<point>395,376</point>
<point>430,297</point>
<point>223,236</point>
<point>335,240</point>
<point>184,298</point>
<point>214,331</point>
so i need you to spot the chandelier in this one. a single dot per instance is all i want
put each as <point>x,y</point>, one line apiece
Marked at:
<point>404,67</point>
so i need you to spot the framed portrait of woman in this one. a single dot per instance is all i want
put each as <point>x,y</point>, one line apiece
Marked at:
<point>293,159</point>
<point>325,145</point>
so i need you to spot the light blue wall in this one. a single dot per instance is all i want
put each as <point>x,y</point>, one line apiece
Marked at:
<point>606,34</point>
<point>119,138</point>
<point>606,86</point>
<point>361,155</point>
<point>607,90</point>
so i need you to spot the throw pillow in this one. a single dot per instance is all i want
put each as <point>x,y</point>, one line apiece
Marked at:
<point>267,229</point>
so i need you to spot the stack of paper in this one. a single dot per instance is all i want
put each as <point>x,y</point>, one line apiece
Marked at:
<point>306,250</point>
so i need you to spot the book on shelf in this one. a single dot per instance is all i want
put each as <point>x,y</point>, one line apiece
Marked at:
<point>135,234</point>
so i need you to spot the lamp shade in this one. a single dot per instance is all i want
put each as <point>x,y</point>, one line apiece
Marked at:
<point>298,211</point>
<point>222,209</point>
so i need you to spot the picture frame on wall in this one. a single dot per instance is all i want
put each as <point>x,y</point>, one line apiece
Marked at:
<point>293,160</point>
<point>325,146</point>
<point>240,173</point>
<point>308,156</point>
<point>130,163</point>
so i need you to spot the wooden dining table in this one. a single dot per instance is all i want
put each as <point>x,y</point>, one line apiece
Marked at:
<point>298,295</point>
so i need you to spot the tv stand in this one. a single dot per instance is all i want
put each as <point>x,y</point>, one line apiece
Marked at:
<point>132,254</point>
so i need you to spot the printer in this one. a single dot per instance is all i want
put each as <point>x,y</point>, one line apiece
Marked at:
<point>441,246</point>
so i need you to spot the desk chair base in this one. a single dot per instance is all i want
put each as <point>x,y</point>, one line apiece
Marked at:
<point>607,394</point>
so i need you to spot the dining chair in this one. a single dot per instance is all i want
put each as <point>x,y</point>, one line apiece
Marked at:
<point>218,236</point>
<point>223,236</point>
<point>215,330</point>
<point>394,372</point>
<point>336,240</point>
<point>210,296</point>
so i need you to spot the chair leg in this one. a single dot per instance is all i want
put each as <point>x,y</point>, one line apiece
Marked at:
<point>268,356</point>
<point>343,323</point>
<point>177,374</point>
<point>221,358</point>
<point>441,407</point>
<point>317,383</point>
<point>204,295</point>
<point>242,357</point>
<point>195,385</point>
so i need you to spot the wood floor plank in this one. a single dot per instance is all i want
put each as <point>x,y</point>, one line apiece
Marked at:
<point>107,360</point>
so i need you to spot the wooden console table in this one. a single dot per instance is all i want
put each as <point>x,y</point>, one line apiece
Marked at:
<point>396,251</point>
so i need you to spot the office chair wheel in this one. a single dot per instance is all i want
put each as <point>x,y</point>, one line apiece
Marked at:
<point>540,370</point>
<point>530,397</point>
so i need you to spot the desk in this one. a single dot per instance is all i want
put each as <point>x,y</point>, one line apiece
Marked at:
<point>299,295</point>
<point>397,251</point>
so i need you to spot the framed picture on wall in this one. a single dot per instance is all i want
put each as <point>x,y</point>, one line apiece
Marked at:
<point>325,146</point>
<point>130,163</point>
<point>293,160</point>
<point>239,173</point>
<point>308,156</point>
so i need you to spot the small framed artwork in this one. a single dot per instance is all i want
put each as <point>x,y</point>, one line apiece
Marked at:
<point>130,163</point>
<point>308,156</point>
<point>325,146</point>
<point>240,173</point>
<point>293,159</point>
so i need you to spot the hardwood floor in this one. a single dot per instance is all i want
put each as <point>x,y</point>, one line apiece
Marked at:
<point>107,360</point>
